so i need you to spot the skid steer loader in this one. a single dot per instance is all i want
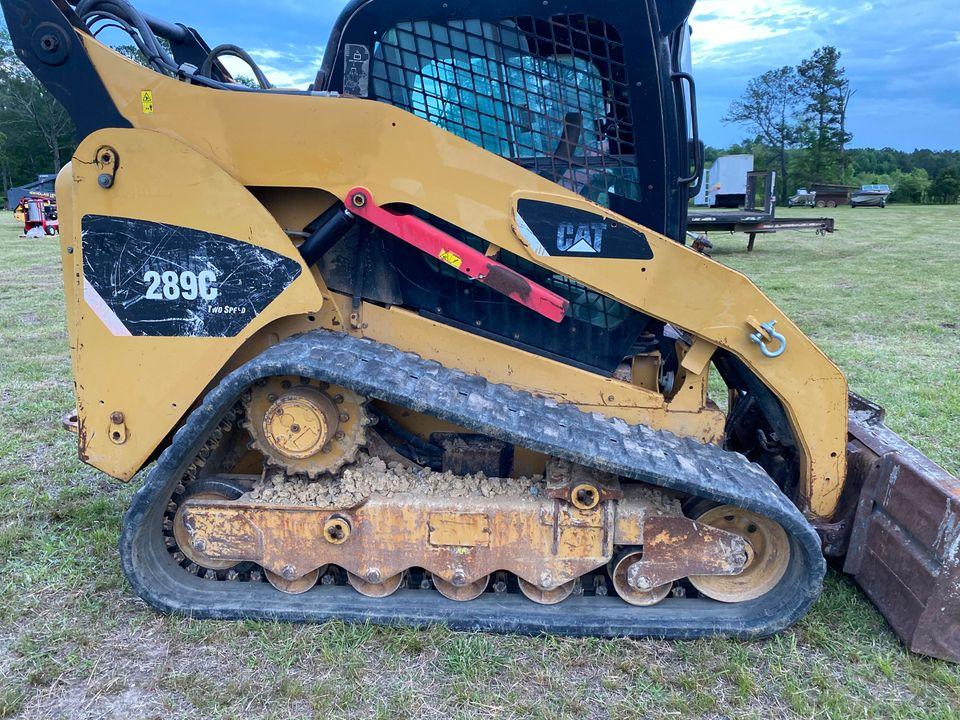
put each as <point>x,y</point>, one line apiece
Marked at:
<point>423,344</point>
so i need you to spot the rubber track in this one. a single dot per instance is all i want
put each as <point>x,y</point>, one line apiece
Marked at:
<point>561,430</point>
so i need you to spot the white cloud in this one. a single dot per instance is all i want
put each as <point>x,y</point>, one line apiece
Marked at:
<point>746,30</point>
<point>265,54</point>
<point>720,24</point>
<point>291,67</point>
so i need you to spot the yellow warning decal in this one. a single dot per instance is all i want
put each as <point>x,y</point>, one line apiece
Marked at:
<point>451,258</point>
<point>146,101</point>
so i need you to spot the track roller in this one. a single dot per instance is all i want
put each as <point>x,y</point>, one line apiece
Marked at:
<point>296,586</point>
<point>543,596</point>
<point>462,593</point>
<point>632,595</point>
<point>371,589</point>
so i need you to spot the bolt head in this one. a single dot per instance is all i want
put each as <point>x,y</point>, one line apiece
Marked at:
<point>50,43</point>
<point>288,573</point>
<point>105,181</point>
<point>459,578</point>
<point>116,417</point>
<point>642,583</point>
<point>373,576</point>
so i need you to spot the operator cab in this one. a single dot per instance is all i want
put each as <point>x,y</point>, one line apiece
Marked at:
<point>594,98</point>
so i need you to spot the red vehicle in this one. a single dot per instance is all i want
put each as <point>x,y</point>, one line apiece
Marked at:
<point>39,216</point>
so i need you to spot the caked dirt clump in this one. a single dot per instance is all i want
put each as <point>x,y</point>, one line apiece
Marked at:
<point>373,476</point>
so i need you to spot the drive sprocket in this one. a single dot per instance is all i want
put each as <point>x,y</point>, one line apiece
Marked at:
<point>305,428</point>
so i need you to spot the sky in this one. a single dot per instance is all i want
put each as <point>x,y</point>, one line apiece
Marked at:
<point>903,58</point>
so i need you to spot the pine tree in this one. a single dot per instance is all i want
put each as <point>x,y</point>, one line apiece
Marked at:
<point>827,91</point>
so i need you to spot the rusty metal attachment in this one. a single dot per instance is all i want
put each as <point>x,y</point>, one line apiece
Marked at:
<point>761,554</point>
<point>108,162</point>
<point>904,538</point>
<point>306,428</point>
<point>71,421</point>
<point>118,428</point>
<point>192,547</point>
<point>585,496</point>
<point>583,488</point>
<point>336,530</point>
<point>675,547</point>
<point>547,543</point>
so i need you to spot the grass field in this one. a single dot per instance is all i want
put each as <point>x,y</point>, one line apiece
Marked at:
<point>882,297</point>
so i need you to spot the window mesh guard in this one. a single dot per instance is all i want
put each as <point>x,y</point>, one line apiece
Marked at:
<point>551,95</point>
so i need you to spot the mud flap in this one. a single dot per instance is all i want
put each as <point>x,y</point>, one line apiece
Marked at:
<point>904,537</point>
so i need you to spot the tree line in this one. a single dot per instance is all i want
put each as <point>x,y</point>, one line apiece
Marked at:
<point>797,118</point>
<point>36,134</point>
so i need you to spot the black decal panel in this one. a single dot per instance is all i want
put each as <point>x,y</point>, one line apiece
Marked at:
<point>557,230</point>
<point>356,70</point>
<point>150,279</point>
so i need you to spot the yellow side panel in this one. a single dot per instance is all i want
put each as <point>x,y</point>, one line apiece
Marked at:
<point>336,144</point>
<point>133,389</point>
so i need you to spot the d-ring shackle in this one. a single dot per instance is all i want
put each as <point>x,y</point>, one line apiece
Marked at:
<point>760,340</point>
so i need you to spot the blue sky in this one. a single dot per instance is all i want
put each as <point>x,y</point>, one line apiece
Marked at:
<point>902,57</point>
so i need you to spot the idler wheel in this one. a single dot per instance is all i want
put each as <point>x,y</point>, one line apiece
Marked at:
<point>768,550</point>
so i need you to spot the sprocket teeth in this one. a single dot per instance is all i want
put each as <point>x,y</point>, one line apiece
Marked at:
<point>344,443</point>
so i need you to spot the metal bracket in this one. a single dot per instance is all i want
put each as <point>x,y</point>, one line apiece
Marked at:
<point>580,486</point>
<point>118,428</point>
<point>676,547</point>
<point>108,160</point>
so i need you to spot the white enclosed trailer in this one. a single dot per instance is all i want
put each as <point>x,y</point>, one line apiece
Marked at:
<point>725,182</point>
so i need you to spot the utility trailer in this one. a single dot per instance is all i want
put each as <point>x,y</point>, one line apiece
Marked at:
<point>831,196</point>
<point>725,183</point>
<point>758,216</point>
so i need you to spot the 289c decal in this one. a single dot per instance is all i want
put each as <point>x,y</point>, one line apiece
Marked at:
<point>189,285</point>
<point>162,280</point>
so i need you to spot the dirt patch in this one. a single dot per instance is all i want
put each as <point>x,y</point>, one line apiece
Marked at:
<point>122,681</point>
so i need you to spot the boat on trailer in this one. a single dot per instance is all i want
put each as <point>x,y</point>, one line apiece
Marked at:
<point>871,196</point>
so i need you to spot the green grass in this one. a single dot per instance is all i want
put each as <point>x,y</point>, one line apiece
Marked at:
<point>882,297</point>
